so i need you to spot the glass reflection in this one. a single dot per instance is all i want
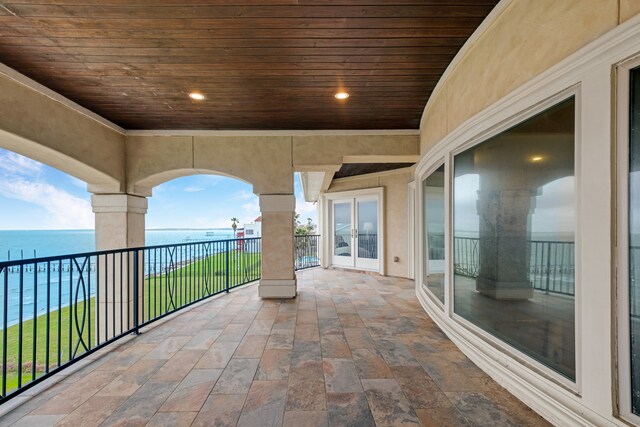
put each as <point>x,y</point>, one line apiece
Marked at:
<point>514,220</point>
<point>342,229</point>
<point>368,229</point>
<point>433,197</point>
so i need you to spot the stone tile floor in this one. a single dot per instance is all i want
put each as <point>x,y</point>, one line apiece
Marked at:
<point>351,350</point>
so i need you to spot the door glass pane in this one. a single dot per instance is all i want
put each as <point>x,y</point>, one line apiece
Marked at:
<point>368,229</point>
<point>342,229</point>
<point>433,196</point>
<point>634,237</point>
<point>514,221</point>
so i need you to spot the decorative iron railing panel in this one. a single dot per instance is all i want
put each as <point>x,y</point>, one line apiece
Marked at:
<point>466,256</point>
<point>551,267</point>
<point>368,246</point>
<point>307,250</point>
<point>56,310</point>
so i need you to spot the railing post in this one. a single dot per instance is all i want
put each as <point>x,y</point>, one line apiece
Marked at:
<point>136,319</point>
<point>227,266</point>
<point>548,266</point>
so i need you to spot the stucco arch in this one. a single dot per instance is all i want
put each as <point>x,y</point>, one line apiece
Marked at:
<point>97,181</point>
<point>263,162</point>
<point>40,124</point>
<point>166,176</point>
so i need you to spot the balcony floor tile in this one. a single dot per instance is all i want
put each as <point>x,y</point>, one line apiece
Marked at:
<point>352,349</point>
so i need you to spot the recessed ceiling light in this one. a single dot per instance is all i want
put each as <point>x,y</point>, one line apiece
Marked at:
<point>341,95</point>
<point>196,96</point>
<point>537,159</point>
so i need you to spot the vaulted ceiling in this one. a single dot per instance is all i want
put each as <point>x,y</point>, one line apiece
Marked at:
<point>261,64</point>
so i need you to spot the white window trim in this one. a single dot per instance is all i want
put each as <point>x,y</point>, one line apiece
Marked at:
<point>421,285</point>
<point>506,348</point>
<point>411,229</point>
<point>329,197</point>
<point>623,72</point>
<point>442,154</point>
<point>535,365</point>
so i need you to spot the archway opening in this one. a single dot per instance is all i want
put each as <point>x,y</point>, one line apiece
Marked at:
<point>199,208</point>
<point>45,212</point>
<point>188,207</point>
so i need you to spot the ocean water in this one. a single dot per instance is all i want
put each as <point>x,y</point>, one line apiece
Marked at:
<point>21,244</point>
<point>15,245</point>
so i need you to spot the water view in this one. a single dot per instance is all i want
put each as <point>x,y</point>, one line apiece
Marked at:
<point>16,245</point>
<point>23,244</point>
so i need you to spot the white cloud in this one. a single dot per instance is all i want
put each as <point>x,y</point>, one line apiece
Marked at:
<point>244,195</point>
<point>66,211</point>
<point>77,182</point>
<point>304,207</point>
<point>250,212</point>
<point>16,164</point>
<point>212,179</point>
<point>193,189</point>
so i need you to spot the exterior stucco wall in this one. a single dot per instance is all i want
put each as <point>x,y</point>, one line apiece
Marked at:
<point>263,161</point>
<point>396,217</point>
<point>628,9</point>
<point>528,37</point>
<point>37,126</point>
<point>322,150</point>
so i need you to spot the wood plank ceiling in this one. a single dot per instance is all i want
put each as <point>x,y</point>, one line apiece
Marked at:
<point>262,64</point>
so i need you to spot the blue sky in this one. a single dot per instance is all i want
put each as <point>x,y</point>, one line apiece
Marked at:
<point>34,196</point>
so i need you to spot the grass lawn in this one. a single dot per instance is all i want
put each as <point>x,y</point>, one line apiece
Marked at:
<point>161,293</point>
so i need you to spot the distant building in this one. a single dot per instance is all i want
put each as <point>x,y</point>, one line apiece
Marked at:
<point>254,229</point>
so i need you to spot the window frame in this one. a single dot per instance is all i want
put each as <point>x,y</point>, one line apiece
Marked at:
<point>437,163</point>
<point>448,153</point>
<point>622,288</point>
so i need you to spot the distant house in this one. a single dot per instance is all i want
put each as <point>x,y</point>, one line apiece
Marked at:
<point>254,229</point>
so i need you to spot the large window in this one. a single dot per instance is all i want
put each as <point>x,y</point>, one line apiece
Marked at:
<point>634,237</point>
<point>433,267</point>
<point>514,222</point>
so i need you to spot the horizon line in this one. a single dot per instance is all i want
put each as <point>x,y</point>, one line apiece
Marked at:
<point>92,229</point>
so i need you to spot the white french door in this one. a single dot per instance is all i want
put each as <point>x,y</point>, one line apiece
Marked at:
<point>355,231</point>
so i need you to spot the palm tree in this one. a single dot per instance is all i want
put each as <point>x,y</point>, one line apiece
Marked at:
<point>234,225</point>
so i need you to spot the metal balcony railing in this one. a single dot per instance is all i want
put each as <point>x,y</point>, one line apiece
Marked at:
<point>55,311</point>
<point>307,250</point>
<point>551,264</point>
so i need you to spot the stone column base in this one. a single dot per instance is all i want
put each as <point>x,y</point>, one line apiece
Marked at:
<point>504,290</point>
<point>270,288</point>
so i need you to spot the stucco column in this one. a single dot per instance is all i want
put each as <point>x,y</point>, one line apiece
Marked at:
<point>278,275</point>
<point>119,225</point>
<point>505,252</point>
<point>119,220</point>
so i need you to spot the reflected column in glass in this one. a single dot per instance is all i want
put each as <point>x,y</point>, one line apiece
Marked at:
<point>434,254</point>
<point>514,222</point>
